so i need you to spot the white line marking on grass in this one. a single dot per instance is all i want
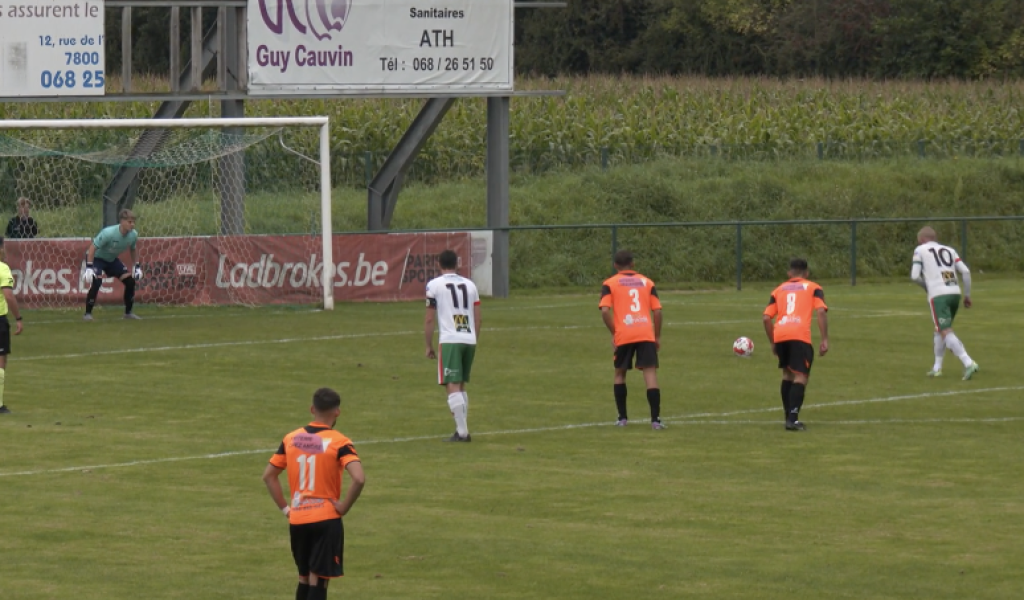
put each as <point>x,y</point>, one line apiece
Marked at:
<point>855,402</point>
<point>758,320</point>
<point>863,421</point>
<point>347,336</point>
<point>217,345</point>
<point>117,317</point>
<point>694,419</point>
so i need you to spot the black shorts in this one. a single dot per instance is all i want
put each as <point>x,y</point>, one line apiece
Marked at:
<point>646,354</point>
<point>795,355</point>
<point>318,548</point>
<point>5,336</point>
<point>113,268</point>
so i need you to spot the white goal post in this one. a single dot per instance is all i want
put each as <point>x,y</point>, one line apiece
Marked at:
<point>38,159</point>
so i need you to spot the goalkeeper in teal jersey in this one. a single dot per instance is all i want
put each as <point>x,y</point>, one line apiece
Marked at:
<point>102,259</point>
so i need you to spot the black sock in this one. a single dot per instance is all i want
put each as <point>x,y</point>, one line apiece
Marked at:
<point>94,290</point>
<point>620,399</point>
<point>796,400</point>
<point>654,399</point>
<point>302,592</point>
<point>318,591</point>
<point>786,386</point>
<point>129,294</point>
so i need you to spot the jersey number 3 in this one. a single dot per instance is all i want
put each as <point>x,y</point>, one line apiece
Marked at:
<point>634,305</point>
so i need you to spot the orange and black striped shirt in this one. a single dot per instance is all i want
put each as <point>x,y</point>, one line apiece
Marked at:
<point>315,456</point>
<point>794,303</point>
<point>632,297</point>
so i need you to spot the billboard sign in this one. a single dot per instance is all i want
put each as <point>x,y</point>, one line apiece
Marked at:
<point>367,47</point>
<point>254,270</point>
<point>50,48</point>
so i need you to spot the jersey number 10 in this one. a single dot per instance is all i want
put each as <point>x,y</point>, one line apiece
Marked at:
<point>943,257</point>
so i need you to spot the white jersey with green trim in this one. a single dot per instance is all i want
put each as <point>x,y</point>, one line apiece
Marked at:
<point>936,267</point>
<point>456,300</point>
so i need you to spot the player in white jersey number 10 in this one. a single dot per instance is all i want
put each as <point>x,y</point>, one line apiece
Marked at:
<point>939,270</point>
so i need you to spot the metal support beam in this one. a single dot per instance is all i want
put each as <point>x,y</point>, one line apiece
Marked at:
<point>196,48</point>
<point>222,50</point>
<point>382,193</point>
<point>126,49</point>
<point>231,174</point>
<point>497,191</point>
<point>175,33</point>
<point>120,192</point>
<point>241,50</point>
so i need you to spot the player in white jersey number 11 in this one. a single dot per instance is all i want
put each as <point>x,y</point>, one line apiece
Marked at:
<point>939,270</point>
<point>453,302</point>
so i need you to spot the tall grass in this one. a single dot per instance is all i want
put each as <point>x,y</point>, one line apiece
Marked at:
<point>669,191</point>
<point>643,150</point>
<point>626,119</point>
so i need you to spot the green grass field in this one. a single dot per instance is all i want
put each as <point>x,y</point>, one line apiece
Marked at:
<point>131,464</point>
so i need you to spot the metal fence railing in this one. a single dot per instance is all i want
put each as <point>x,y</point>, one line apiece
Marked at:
<point>724,251</point>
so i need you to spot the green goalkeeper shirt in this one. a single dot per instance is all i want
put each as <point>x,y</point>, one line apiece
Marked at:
<point>110,243</point>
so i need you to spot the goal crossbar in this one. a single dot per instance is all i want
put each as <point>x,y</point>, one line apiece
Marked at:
<point>163,123</point>
<point>320,122</point>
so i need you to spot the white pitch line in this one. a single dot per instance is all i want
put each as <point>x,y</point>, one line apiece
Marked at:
<point>693,420</point>
<point>855,402</point>
<point>117,317</point>
<point>865,421</point>
<point>347,336</point>
<point>215,345</point>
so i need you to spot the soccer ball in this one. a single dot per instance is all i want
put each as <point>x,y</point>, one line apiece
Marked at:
<point>743,346</point>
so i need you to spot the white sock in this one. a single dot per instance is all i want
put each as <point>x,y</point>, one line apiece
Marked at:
<point>458,408</point>
<point>939,345</point>
<point>957,348</point>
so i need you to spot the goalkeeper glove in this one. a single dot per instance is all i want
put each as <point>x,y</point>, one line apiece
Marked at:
<point>137,271</point>
<point>90,273</point>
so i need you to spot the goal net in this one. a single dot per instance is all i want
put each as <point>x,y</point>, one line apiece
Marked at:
<point>229,211</point>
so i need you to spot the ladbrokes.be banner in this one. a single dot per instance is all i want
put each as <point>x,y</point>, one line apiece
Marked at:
<point>240,269</point>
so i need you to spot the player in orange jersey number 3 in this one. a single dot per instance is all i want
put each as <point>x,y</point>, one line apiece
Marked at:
<point>631,310</point>
<point>315,457</point>
<point>787,321</point>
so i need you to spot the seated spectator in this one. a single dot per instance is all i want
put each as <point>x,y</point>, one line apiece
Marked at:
<point>21,225</point>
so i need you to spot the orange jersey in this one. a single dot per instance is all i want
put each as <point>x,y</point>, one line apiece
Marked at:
<point>632,297</point>
<point>794,303</point>
<point>314,457</point>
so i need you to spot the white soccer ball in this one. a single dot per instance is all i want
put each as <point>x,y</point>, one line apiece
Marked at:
<point>743,346</point>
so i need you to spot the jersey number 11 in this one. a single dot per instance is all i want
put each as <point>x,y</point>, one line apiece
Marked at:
<point>455,297</point>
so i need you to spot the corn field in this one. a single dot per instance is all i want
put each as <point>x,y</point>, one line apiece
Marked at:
<point>617,120</point>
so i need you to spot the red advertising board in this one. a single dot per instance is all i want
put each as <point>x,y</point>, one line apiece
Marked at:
<point>252,269</point>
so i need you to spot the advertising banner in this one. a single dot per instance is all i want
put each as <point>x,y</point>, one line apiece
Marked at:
<point>253,270</point>
<point>379,46</point>
<point>50,48</point>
